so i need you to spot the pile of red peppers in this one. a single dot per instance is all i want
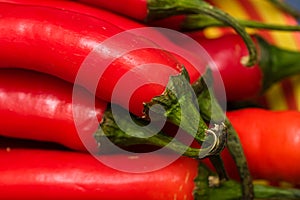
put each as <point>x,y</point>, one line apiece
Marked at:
<point>187,132</point>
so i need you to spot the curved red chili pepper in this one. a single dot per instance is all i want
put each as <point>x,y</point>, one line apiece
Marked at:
<point>53,41</point>
<point>118,20</point>
<point>270,140</point>
<point>39,107</point>
<point>55,174</point>
<point>241,83</point>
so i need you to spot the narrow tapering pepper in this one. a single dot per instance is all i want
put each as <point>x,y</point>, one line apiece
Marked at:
<point>247,84</point>
<point>39,107</point>
<point>270,139</point>
<point>52,174</point>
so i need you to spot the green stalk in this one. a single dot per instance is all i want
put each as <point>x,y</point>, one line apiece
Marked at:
<point>286,8</point>
<point>162,9</point>
<point>211,110</point>
<point>180,106</point>
<point>196,22</point>
<point>276,63</point>
<point>135,136</point>
<point>231,190</point>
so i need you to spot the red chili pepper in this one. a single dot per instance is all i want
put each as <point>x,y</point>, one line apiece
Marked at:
<point>120,21</point>
<point>53,41</point>
<point>270,140</point>
<point>53,174</point>
<point>39,107</point>
<point>243,83</point>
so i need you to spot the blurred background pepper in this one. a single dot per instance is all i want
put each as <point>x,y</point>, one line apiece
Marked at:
<point>286,94</point>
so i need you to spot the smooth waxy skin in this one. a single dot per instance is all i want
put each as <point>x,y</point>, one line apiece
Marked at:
<point>40,107</point>
<point>51,174</point>
<point>270,140</point>
<point>56,42</point>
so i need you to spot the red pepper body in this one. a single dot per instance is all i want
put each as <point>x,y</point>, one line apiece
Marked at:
<point>120,21</point>
<point>39,107</point>
<point>137,9</point>
<point>240,82</point>
<point>271,141</point>
<point>56,42</point>
<point>50,174</point>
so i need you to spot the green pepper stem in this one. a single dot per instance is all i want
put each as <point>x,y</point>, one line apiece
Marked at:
<point>276,63</point>
<point>131,135</point>
<point>286,8</point>
<point>196,22</point>
<point>180,106</point>
<point>211,110</point>
<point>123,138</point>
<point>231,190</point>
<point>161,9</point>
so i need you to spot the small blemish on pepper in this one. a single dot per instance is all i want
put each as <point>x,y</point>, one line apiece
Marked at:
<point>133,157</point>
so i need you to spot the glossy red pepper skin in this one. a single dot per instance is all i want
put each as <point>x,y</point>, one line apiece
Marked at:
<point>56,42</point>
<point>240,82</point>
<point>249,84</point>
<point>51,174</point>
<point>270,140</point>
<point>136,9</point>
<point>39,107</point>
<point>118,20</point>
